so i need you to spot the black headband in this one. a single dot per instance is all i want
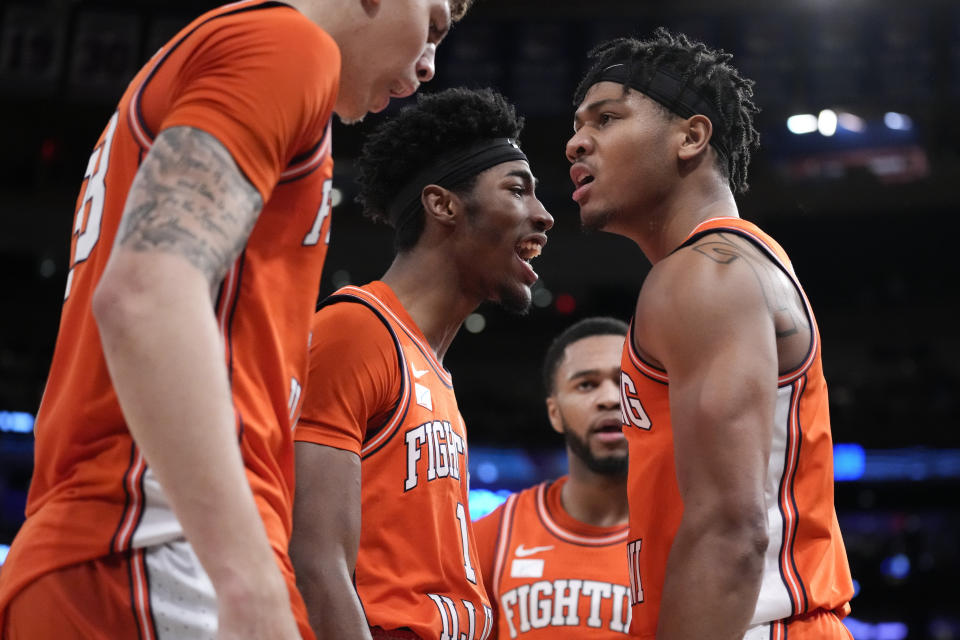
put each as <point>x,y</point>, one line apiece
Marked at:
<point>449,170</point>
<point>671,92</point>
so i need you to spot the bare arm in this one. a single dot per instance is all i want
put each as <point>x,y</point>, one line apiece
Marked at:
<point>711,328</point>
<point>187,217</point>
<point>326,536</point>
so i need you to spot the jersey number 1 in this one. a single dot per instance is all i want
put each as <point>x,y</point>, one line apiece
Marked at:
<point>465,544</point>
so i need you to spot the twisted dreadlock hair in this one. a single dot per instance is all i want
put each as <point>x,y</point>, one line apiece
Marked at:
<point>706,71</point>
<point>404,144</point>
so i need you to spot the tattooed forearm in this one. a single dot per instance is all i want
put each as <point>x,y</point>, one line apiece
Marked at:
<point>190,198</point>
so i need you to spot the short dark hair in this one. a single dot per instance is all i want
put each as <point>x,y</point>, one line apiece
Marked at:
<point>706,71</point>
<point>458,8</point>
<point>597,326</point>
<point>403,145</point>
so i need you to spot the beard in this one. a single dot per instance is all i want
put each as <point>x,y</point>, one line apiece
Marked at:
<point>597,221</point>
<point>612,465</point>
<point>516,300</point>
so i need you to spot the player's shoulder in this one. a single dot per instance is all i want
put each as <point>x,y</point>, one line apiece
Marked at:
<point>712,265</point>
<point>276,27</point>
<point>351,325</point>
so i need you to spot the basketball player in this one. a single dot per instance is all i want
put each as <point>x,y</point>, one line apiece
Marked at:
<point>552,555</point>
<point>733,532</point>
<point>160,505</point>
<point>380,438</point>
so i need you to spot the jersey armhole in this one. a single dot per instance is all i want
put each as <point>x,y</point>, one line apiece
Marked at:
<point>372,431</point>
<point>504,533</point>
<point>790,376</point>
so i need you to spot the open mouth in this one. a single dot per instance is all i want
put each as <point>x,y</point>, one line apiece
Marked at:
<point>527,250</point>
<point>610,425</point>
<point>608,431</point>
<point>586,179</point>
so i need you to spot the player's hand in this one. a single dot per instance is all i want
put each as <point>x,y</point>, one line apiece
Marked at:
<point>264,615</point>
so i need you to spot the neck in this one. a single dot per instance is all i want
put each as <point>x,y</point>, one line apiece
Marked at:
<point>428,289</point>
<point>332,17</point>
<point>662,228</point>
<point>595,499</point>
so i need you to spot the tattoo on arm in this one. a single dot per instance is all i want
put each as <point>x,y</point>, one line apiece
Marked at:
<point>190,198</point>
<point>718,251</point>
<point>788,319</point>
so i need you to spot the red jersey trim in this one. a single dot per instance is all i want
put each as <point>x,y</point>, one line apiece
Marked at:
<point>133,487</point>
<point>503,538</point>
<point>569,536</point>
<point>654,373</point>
<point>386,432</point>
<point>140,595</point>
<point>316,158</point>
<point>415,336</point>
<point>788,504</point>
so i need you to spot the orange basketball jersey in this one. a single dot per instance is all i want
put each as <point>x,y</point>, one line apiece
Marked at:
<point>376,389</point>
<point>549,575</point>
<point>262,79</point>
<point>805,568</point>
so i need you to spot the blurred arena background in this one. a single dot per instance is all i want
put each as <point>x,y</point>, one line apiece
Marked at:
<point>858,178</point>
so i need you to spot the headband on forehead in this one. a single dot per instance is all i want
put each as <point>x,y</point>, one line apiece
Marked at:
<point>449,170</point>
<point>671,92</point>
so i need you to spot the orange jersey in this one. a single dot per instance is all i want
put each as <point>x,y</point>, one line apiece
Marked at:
<point>549,575</point>
<point>376,389</point>
<point>262,79</point>
<point>805,568</point>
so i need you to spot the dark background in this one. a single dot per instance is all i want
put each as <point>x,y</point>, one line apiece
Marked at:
<point>869,219</point>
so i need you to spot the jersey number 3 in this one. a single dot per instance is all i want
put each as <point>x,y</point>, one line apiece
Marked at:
<point>86,227</point>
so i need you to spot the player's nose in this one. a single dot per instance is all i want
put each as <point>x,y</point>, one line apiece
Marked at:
<point>609,396</point>
<point>578,146</point>
<point>542,219</point>
<point>426,67</point>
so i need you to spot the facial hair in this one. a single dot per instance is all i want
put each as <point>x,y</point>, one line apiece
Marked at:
<point>597,221</point>
<point>516,300</point>
<point>613,465</point>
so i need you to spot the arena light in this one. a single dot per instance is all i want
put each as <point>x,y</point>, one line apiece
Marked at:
<point>896,567</point>
<point>897,121</point>
<point>16,422</point>
<point>876,630</point>
<point>827,122</point>
<point>849,461</point>
<point>4,550</point>
<point>483,501</point>
<point>802,123</point>
<point>851,122</point>
<point>475,323</point>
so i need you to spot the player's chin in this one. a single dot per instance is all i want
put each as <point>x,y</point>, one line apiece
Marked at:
<point>594,219</point>
<point>351,117</point>
<point>515,298</point>
<point>351,111</point>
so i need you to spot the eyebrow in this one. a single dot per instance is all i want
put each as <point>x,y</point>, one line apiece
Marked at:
<point>583,373</point>
<point>593,107</point>
<point>526,176</point>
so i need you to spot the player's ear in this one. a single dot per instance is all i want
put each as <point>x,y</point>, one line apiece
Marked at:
<point>697,131</point>
<point>553,413</point>
<point>440,204</point>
